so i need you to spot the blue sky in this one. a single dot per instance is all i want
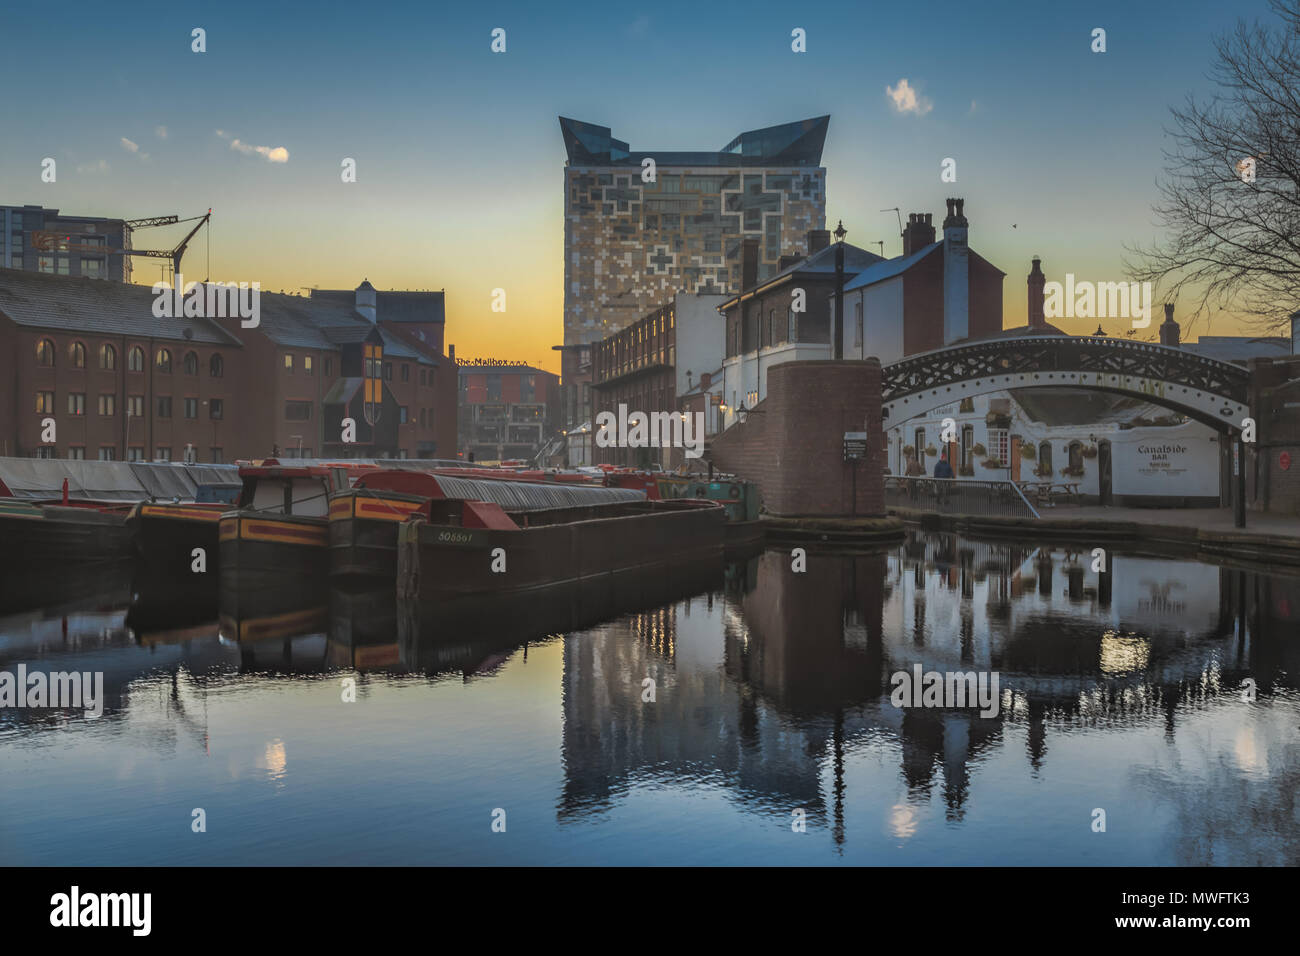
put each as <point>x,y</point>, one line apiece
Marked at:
<point>459,153</point>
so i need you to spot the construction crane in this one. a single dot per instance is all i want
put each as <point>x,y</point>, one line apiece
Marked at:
<point>49,241</point>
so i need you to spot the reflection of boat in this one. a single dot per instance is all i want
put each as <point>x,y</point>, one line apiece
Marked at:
<point>475,548</point>
<point>363,520</point>
<point>471,633</point>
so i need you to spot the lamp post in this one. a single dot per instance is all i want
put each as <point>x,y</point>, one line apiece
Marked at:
<point>840,233</point>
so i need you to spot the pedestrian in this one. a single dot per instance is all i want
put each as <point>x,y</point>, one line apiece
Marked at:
<point>942,470</point>
<point>913,470</point>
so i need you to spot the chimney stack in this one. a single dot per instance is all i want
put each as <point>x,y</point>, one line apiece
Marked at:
<point>748,263</point>
<point>787,261</point>
<point>367,301</point>
<point>818,239</point>
<point>1037,283</point>
<point>918,233</point>
<point>956,275</point>
<point>1169,331</point>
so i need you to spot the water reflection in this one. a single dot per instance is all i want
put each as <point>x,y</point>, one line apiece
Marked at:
<point>693,712</point>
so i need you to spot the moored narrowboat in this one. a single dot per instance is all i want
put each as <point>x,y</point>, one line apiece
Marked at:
<point>279,536</point>
<point>54,536</point>
<point>485,551</point>
<point>363,520</point>
<point>739,499</point>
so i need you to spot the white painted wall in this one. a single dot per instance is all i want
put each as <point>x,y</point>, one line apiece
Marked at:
<point>882,320</point>
<point>701,336</point>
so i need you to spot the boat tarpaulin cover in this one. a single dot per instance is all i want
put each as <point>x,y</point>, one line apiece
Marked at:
<point>41,479</point>
<point>533,495</point>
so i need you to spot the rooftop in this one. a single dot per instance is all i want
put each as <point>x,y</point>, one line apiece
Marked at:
<point>791,144</point>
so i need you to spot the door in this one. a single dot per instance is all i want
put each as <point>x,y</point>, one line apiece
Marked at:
<point>1103,471</point>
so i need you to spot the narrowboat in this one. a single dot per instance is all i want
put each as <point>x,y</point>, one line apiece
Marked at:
<point>279,536</point>
<point>739,499</point>
<point>363,519</point>
<point>50,537</point>
<point>474,548</point>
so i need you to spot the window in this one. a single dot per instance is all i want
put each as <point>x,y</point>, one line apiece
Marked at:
<point>216,408</point>
<point>164,406</point>
<point>1076,456</point>
<point>422,381</point>
<point>494,388</point>
<point>135,453</point>
<point>107,357</point>
<point>527,388</point>
<point>306,364</point>
<point>77,453</point>
<point>107,453</point>
<point>288,362</point>
<point>297,411</point>
<point>857,325</point>
<point>135,360</point>
<point>216,367</point>
<point>76,403</point>
<point>329,367</point>
<point>967,442</point>
<point>401,415</point>
<point>45,451</point>
<point>191,408</point>
<point>216,455</point>
<point>44,403</point>
<point>77,355</point>
<point>190,364</point>
<point>108,404</point>
<point>918,439</point>
<point>406,372</point>
<point>135,406</point>
<point>94,268</point>
<point>45,353</point>
<point>162,454</point>
<point>388,371</point>
<point>163,359</point>
<point>998,445</point>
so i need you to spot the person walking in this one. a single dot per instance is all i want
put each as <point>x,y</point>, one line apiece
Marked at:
<point>913,471</point>
<point>942,470</point>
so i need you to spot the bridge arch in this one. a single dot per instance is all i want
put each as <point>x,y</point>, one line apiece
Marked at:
<point>1206,390</point>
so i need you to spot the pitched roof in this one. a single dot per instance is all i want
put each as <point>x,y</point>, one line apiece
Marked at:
<point>888,268</point>
<point>821,262</point>
<point>64,303</point>
<point>394,306</point>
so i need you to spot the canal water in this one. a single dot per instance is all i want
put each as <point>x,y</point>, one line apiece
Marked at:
<point>700,729</point>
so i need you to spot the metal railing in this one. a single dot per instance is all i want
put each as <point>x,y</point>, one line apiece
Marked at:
<point>958,496</point>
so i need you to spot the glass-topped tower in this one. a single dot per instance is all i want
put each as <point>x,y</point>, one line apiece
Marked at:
<point>630,245</point>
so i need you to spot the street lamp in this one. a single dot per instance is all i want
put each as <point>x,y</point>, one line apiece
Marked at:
<point>840,233</point>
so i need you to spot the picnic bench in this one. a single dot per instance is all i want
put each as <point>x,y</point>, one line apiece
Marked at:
<point>1049,492</point>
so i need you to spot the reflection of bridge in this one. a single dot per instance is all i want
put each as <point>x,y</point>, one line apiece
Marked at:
<point>1205,389</point>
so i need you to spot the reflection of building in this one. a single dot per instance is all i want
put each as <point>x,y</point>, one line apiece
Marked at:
<point>75,240</point>
<point>506,410</point>
<point>631,244</point>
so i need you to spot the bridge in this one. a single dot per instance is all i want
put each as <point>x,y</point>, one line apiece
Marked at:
<point>1207,390</point>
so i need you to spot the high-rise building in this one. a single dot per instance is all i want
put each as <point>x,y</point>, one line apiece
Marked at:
<point>642,225</point>
<point>37,239</point>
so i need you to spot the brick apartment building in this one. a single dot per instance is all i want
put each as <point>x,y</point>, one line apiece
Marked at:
<point>507,410</point>
<point>121,383</point>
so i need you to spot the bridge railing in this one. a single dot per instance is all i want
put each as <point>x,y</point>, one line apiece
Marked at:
<point>958,496</point>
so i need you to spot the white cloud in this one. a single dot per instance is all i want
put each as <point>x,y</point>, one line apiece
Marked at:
<point>99,166</point>
<point>133,148</point>
<point>906,100</point>
<point>274,154</point>
<point>160,132</point>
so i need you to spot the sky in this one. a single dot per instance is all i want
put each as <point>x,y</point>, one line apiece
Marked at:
<point>459,160</point>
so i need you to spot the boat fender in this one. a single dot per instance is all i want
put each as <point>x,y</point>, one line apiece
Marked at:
<point>735,491</point>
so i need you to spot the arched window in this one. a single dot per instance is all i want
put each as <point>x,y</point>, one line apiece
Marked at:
<point>135,359</point>
<point>1076,456</point>
<point>107,357</point>
<point>190,363</point>
<point>77,355</point>
<point>216,367</point>
<point>1045,458</point>
<point>45,353</point>
<point>163,360</point>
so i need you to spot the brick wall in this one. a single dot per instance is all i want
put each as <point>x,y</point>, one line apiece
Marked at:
<point>793,445</point>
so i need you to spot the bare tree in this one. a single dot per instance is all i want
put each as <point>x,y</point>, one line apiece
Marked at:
<point>1230,196</point>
